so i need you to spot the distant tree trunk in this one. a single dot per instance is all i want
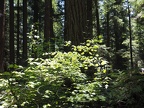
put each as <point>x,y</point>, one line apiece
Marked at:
<point>75,21</point>
<point>36,17</point>
<point>36,11</point>
<point>2,21</point>
<point>36,25</point>
<point>48,27</point>
<point>97,18</point>
<point>89,19</point>
<point>117,34</point>
<point>120,61</point>
<point>18,31</point>
<point>11,44</point>
<point>24,54</point>
<point>130,33</point>
<point>107,34</point>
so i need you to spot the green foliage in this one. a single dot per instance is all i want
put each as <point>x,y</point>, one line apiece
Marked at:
<point>72,79</point>
<point>35,42</point>
<point>78,78</point>
<point>127,90</point>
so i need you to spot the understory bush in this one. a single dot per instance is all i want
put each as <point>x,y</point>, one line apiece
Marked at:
<point>126,91</point>
<point>80,78</point>
<point>73,79</point>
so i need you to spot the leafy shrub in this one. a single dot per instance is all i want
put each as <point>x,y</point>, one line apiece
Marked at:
<point>70,79</point>
<point>127,90</point>
<point>79,78</point>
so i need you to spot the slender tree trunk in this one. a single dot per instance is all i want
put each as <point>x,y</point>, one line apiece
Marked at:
<point>36,11</point>
<point>48,27</point>
<point>130,33</point>
<point>36,25</point>
<point>75,21</point>
<point>2,21</point>
<point>36,17</point>
<point>108,35</point>
<point>118,59</point>
<point>18,31</point>
<point>24,32</point>
<point>11,44</point>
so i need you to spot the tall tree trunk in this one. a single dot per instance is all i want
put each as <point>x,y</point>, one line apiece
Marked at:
<point>11,44</point>
<point>48,27</point>
<point>120,61</point>
<point>36,11</point>
<point>108,31</point>
<point>36,25</point>
<point>130,33</point>
<point>75,21</point>
<point>36,17</point>
<point>117,35</point>
<point>97,18</point>
<point>24,54</point>
<point>2,21</point>
<point>89,19</point>
<point>18,31</point>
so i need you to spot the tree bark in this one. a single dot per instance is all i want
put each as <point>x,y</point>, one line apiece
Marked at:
<point>36,11</point>
<point>108,31</point>
<point>75,21</point>
<point>120,61</point>
<point>18,31</point>
<point>2,23</point>
<point>89,20</point>
<point>97,18</point>
<point>11,38</point>
<point>48,27</point>
<point>24,54</point>
<point>36,17</point>
<point>130,33</point>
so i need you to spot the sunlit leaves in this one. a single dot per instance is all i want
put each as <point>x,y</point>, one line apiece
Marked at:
<point>59,79</point>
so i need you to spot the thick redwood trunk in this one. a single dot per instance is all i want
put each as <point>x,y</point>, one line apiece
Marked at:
<point>75,21</point>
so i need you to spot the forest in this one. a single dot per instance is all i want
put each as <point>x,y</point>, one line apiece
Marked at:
<point>71,53</point>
